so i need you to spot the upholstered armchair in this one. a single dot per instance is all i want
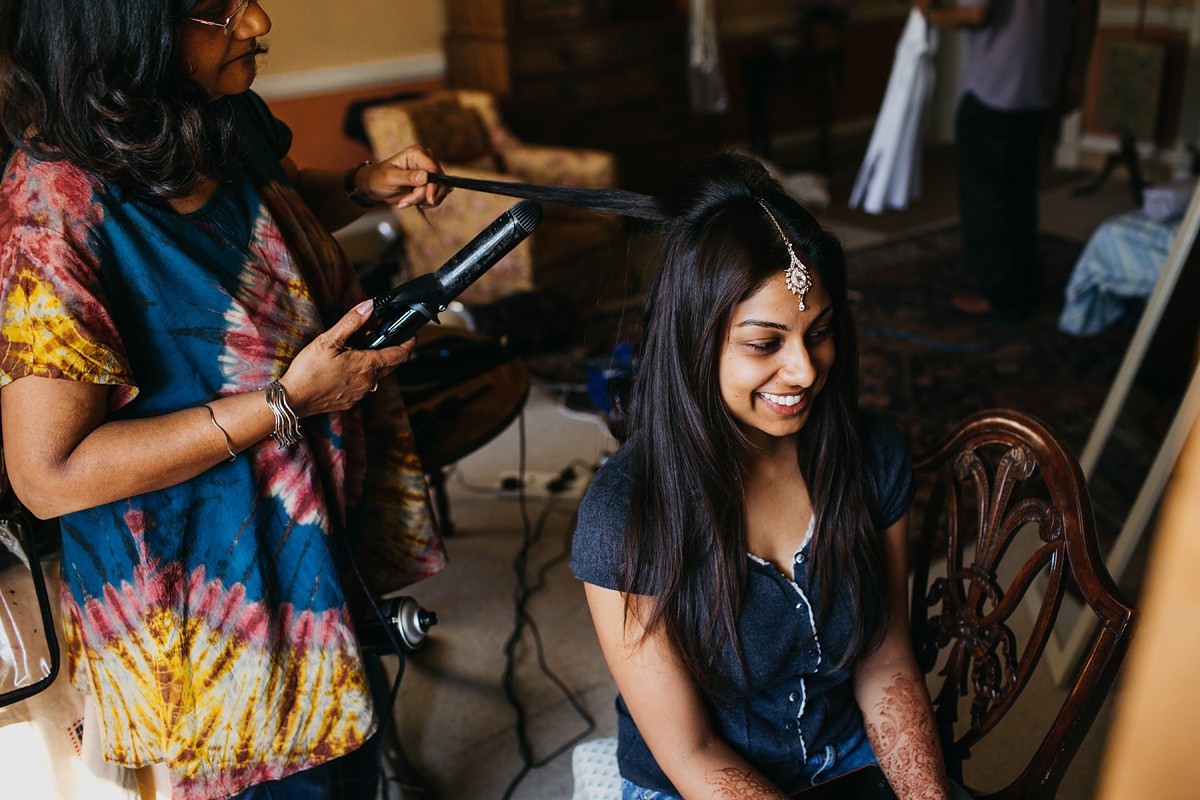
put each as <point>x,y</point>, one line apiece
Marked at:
<point>572,253</point>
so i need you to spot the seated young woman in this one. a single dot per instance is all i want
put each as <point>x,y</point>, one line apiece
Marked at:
<point>744,550</point>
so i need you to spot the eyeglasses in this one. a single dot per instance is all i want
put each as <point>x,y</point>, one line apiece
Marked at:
<point>229,23</point>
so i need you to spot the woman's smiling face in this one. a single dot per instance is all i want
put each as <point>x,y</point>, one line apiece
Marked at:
<point>222,60</point>
<point>776,359</point>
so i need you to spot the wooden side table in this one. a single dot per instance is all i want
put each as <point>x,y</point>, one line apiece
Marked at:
<point>461,391</point>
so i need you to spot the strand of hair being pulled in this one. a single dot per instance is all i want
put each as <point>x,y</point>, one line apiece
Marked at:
<point>608,201</point>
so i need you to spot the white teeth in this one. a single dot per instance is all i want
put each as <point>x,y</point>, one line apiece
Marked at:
<point>783,399</point>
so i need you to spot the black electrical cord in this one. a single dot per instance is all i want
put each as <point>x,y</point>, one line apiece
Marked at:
<point>521,595</point>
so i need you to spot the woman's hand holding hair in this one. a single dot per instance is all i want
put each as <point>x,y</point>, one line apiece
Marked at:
<point>337,198</point>
<point>329,376</point>
<point>402,180</point>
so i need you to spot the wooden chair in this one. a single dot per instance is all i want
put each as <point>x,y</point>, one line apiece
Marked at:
<point>996,474</point>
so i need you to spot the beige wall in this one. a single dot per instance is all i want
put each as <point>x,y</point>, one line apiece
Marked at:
<point>315,34</point>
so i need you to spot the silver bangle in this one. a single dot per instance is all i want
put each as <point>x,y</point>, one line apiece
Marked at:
<point>287,424</point>
<point>228,444</point>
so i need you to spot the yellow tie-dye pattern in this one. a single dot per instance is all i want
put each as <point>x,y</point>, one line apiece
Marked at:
<point>42,338</point>
<point>206,720</point>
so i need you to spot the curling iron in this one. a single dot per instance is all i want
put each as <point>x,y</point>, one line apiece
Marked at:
<point>403,310</point>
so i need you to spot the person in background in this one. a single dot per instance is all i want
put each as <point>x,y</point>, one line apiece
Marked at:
<point>177,388</point>
<point>744,551</point>
<point>1024,59</point>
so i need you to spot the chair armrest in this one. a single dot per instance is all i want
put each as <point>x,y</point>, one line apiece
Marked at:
<point>561,166</point>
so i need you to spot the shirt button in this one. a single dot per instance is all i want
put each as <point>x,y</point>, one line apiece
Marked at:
<point>799,605</point>
<point>799,558</point>
<point>792,697</point>
<point>791,726</point>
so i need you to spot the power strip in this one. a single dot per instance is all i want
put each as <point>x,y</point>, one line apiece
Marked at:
<point>537,486</point>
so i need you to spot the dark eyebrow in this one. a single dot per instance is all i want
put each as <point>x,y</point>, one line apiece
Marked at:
<point>758,323</point>
<point>778,326</point>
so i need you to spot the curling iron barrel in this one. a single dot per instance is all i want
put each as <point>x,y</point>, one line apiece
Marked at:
<point>402,311</point>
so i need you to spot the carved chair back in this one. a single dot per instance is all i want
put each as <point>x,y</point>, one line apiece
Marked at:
<point>996,474</point>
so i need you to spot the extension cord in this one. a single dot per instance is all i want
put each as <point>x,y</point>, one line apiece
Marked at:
<point>538,486</point>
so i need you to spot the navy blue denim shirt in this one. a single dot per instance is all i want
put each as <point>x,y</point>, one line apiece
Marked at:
<point>800,705</point>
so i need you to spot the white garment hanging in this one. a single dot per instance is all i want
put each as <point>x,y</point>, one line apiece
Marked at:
<point>706,84</point>
<point>891,172</point>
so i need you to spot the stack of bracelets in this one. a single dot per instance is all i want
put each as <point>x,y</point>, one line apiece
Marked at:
<point>287,424</point>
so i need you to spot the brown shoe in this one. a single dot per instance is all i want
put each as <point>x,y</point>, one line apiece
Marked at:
<point>971,303</point>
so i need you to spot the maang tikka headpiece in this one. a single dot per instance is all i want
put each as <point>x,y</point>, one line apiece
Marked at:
<point>796,275</point>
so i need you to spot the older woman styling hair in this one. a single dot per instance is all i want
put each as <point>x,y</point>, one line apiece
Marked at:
<point>176,387</point>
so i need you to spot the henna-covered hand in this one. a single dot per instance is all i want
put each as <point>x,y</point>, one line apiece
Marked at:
<point>732,783</point>
<point>902,733</point>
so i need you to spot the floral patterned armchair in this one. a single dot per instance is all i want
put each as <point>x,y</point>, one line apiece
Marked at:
<point>571,253</point>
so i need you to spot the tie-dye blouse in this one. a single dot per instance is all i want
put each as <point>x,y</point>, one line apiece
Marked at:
<point>208,620</point>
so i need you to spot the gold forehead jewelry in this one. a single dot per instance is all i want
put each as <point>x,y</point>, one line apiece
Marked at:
<point>796,275</point>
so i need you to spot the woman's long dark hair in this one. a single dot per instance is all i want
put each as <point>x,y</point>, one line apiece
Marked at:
<point>96,83</point>
<point>685,542</point>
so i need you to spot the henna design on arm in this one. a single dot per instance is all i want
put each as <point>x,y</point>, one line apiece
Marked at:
<point>732,783</point>
<point>903,736</point>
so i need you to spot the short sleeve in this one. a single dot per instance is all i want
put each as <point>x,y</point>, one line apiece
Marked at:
<point>55,319</point>
<point>889,469</point>
<point>596,549</point>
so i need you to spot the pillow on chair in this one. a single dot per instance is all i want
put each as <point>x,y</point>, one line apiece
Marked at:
<point>454,133</point>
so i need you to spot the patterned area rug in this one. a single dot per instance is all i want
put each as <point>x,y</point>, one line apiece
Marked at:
<point>926,366</point>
